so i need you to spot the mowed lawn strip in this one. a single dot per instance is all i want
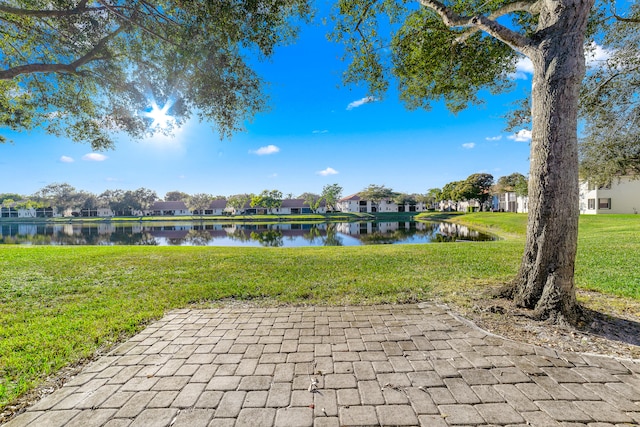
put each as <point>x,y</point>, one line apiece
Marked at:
<point>608,257</point>
<point>59,305</point>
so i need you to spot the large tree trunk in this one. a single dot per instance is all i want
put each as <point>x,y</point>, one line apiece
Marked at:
<point>545,280</point>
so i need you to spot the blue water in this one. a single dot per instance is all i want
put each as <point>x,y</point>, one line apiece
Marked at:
<point>236,234</point>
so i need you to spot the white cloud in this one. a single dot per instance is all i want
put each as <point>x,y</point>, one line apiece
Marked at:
<point>494,138</point>
<point>469,145</point>
<point>263,151</point>
<point>524,69</point>
<point>66,159</point>
<point>523,135</point>
<point>327,172</point>
<point>320,131</point>
<point>360,102</point>
<point>94,157</point>
<point>525,65</point>
<point>273,175</point>
<point>595,55</point>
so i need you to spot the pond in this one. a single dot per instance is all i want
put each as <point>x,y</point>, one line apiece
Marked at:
<point>236,234</point>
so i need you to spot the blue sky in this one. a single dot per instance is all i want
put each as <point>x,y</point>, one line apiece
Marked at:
<point>318,132</point>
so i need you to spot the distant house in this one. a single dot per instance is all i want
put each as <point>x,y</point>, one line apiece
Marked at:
<point>19,212</point>
<point>255,210</point>
<point>469,206</point>
<point>621,196</point>
<point>298,206</point>
<point>233,211</point>
<point>98,212</point>
<point>217,207</point>
<point>174,208</point>
<point>509,201</point>
<point>8,212</point>
<point>287,207</point>
<point>355,203</point>
<point>351,203</point>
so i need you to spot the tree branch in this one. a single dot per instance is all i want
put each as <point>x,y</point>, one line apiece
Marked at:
<point>602,85</point>
<point>531,6</point>
<point>50,13</point>
<point>71,68</point>
<point>137,24</point>
<point>620,18</point>
<point>451,19</point>
<point>363,15</point>
<point>154,11</point>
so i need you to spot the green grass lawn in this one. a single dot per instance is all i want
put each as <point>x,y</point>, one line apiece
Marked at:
<point>608,248</point>
<point>59,305</point>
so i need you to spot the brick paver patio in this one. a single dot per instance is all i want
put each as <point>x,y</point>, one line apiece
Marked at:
<point>405,365</point>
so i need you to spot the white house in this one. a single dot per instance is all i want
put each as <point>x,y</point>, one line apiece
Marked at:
<point>458,206</point>
<point>217,207</point>
<point>297,206</point>
<point>350,204</point>
<point>176,208</point>
<point>287,207</point>
<point>15,212</point>
<point>510,202</point>
<point>97,212</point>
<point>621,196</point>
<point>355,203</point>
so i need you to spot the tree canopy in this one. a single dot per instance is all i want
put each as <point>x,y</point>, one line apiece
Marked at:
<point>313,200</point>
<point>269,199</point>
<point>476,187</point>
<point>62,196</point>
<point>516,182</point>
<point>611,104</point>
<point>86,69</point>
<point>331,193</point>
<point>376,193</point>
<point>404,199</point>
<point>126,201</point>
<point>200,202</point>
<point>430,59</point>
<point>12,197</point>
<point>176,196</point>
<point>238,201</point>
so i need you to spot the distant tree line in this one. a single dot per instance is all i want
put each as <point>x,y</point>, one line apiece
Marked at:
<point>64,197</point>
<point>480,187</point>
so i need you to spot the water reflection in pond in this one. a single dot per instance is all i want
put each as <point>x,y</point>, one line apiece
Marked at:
<point>236,234</point>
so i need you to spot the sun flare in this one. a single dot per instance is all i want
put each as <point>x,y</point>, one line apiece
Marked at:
<point>160,117</point>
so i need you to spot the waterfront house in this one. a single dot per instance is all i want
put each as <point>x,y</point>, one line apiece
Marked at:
<point>174,208</point>
<point>13,211</point>
<point>355,203</point>
<point>620,196</point>
<point>509,201</point>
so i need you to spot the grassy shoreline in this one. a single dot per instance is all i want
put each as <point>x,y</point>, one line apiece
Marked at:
<point>59,305</point>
